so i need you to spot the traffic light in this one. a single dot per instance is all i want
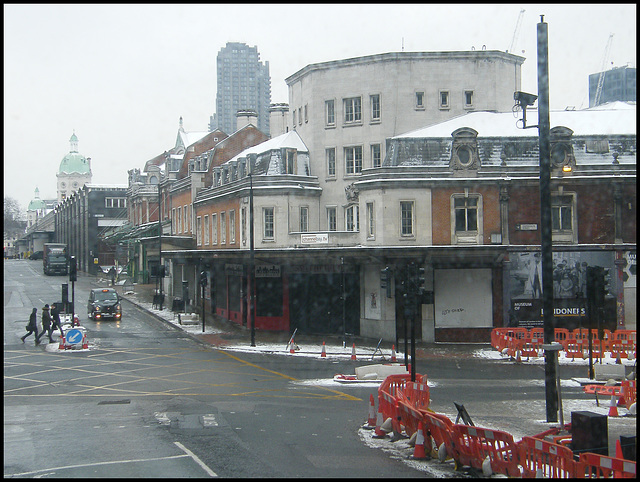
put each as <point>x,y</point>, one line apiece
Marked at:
<point>73,269</point>
<point>595,285</point>
<point>203,278</point>
<point>608,281</point>
<point>385,280</point>
<point>420,281</point>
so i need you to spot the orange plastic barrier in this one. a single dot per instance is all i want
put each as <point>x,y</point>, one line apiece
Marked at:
<point>498,337</point>
<point>540,458</point>
<point>438,432</point>
<point>629,392</point>
<point>388,394</point>
<point>596,465</point>
<point>620,348</point>
<point>561,335</point>
<point>574,348</point>
<point>530,348</point>
<point>417,393</point>
<point>471,445</point>
<point>408,416</point>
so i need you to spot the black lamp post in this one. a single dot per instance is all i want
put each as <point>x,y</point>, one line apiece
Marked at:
<point>252,268</point>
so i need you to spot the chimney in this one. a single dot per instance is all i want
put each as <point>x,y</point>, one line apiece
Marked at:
<point>246,117</point>
<point>278,114</point>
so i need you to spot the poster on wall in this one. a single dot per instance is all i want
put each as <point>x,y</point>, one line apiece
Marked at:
<point>569,288</point>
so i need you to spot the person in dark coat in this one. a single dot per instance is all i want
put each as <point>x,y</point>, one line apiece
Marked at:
<point>46,323</point>
<point>55,316</point>
<point>32,327</point>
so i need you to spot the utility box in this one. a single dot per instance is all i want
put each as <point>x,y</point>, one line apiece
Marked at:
<point>589,433</point>
<point>628,446</point>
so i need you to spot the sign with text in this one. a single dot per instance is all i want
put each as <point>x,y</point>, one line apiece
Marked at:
<point>314,238</point>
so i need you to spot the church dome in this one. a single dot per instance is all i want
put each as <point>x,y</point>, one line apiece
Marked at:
<point>36,203</point>
<point>74,162</point>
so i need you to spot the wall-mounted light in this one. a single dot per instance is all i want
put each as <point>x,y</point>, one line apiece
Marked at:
<point>566,168</point>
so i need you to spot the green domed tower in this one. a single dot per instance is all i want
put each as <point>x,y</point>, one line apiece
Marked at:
<point>74,171</point>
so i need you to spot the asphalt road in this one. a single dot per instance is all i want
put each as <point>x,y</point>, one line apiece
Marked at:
<point>148,401</point>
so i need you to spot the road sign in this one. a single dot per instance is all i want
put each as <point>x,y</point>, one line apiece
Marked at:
<point>74,337</point>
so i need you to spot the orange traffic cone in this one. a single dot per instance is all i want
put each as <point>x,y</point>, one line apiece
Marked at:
<point>619,450</point>
<point>353,352</point>
<point>378,432</point>
<point>324,351</point>
<point>61,344</point>
<point>418,451</point>
<point>85,343</point>
<point>292,349</point>
<point>613,409</point>
<point>371,422</point>
<point>393,354</point>
<point>518,356</point>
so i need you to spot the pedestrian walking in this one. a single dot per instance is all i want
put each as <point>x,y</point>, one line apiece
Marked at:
<point>55,316</point>
<point>32,327</point>
<point>46,323</point>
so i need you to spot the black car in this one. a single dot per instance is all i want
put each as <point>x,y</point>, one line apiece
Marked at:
<point>104,303</point>
<point>36,255</point>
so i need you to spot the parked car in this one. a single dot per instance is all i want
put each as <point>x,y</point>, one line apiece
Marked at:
<point>36,255</point>
<point>104,303</point>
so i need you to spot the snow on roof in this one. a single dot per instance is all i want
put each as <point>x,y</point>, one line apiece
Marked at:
<point>289,139</point>
<point>190,138</point>
<point>617,118</point>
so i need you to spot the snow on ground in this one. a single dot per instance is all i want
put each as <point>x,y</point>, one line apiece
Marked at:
<point>400,449</point>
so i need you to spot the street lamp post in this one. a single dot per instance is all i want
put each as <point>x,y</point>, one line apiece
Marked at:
<point>160,268</point>
<point>551,358</point>
<point>252,269</point>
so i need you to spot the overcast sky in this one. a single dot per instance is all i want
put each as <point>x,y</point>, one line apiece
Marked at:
<point>121,76</point>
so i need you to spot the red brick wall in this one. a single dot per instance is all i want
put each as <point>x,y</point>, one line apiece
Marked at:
<point>441,211</point>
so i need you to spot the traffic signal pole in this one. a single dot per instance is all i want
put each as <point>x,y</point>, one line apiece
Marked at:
<point>551,358</point>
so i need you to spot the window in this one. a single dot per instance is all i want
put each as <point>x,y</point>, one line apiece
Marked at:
<point>306,113</point>
<point>214,229</point>
<point>269,227</point>
<point>243,226</point>
<point>352,218</point>
<point>185,220</point>
<point>466,214</point>
<point>206,230</point>
<point>468,98</point>
<point>371,232</point>
<point>444,99</point>
<point>198,231</point>
<point>376,158</point>
<point>331,161</point>
<point>466,218</point>
<point>174,226</point>
<point>329,107</point>
<point>331,219</point>
<point>375,107</point>
<point>290,161</point>
<point>300,115</point>
<point>179,220</point>
<point>419,100</point>
<point>294,118</point>
<point>115,202</point>
<point>223,228</point>
<point>352,110</point>
<point>406,218</point>
<point>562,214</point>
<point>190,216</point>
<point>232,227</point>
<point>304,219</point>
<point>353,159</point>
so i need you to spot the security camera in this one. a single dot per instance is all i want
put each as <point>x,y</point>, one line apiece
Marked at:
<point>524,99</point>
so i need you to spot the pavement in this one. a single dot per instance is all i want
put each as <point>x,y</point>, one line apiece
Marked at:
<point>227,335</point>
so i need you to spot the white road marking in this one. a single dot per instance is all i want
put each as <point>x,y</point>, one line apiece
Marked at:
<point>196,459</point>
